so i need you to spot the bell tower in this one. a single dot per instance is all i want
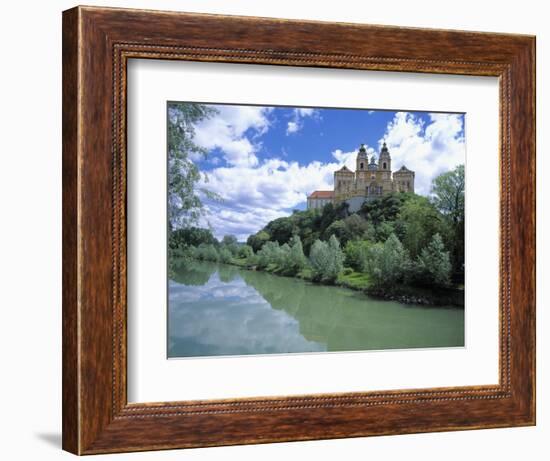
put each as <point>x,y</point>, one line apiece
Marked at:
<point>362,159</point>
<point>384,162</point>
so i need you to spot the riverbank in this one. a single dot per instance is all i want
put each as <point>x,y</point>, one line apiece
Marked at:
<point>359,281</point>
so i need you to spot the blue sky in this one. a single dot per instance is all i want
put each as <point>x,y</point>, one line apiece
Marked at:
<point>264,160</point>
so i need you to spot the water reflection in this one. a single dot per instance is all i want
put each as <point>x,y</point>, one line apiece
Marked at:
<point>223,310</point>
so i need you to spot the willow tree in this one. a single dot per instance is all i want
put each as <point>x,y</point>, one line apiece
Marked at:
<point>185,206</point>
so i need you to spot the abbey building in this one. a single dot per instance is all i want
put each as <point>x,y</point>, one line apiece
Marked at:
<point>370,180</point>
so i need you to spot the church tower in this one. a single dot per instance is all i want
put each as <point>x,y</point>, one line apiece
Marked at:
<point>362,159</point>
<point>384,163</point>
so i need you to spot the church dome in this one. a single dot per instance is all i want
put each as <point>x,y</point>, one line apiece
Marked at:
<point>372,163</point>
<point>362,151</point>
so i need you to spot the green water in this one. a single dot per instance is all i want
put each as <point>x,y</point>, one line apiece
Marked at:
<point>224,310</point>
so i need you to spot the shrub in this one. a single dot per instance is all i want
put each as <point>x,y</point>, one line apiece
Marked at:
<point>295,259</point>
<point>224,255</point>
<point>246,252</point>
<point>388,263</point>
<point>326,260</point>
<point>356,254</point>
<point>433,266</point>
<point>205,252</point>
<point>258,240</point>
<point>268,254</point>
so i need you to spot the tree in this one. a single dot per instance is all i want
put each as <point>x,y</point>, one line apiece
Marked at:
<point>257,241</point>
<point>231,243</point>
<point>229,240</point>
<point>190,236</point>
<point>268,254</point>
<point>448,197</point>
<point>388,263</point>
<point>224,255</point>
<point>352,227</point>
<point>184,203</point>
<point>280,229</point>
<point>356,254</point>
<point>448,193</point>
<point>433,265</point>
<point>419,221</point>
<point>246,252</point>
<point>205,252</point>
<point>295,259</point>
<point>326,260</point>
<point>385,208</point>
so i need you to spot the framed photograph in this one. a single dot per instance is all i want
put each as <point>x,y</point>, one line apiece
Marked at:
<point>280,230</point>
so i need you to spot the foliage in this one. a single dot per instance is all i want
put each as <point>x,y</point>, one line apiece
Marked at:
<point>349,228</point>
<point>448,198</point>
<point>356,254</point>
<point>295,259</point>
<point>326,260</point>
<point>224,255</point>
<point>448,193</point>
<point>280,230</point>
<point>419,220</point>
<point>433,265</point>
<point>190,236</point>
<point>205,252</point>
<point>245,252</point>
<point>388,263</point>
<point>257,241</point>
<point>268,254</point>
<point>184,204</point>
<point>230,243</point>
<point>385,208</point>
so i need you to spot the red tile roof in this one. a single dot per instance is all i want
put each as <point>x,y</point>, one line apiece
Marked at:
<point>322,194</point>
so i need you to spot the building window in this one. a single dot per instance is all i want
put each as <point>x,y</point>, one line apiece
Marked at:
<point>361,165</point>
<point>384,165</point>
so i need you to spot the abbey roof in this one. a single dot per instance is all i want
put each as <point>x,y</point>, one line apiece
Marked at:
<point>322,194</point>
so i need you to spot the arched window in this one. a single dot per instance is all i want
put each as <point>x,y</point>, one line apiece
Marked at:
<point>384,165</point>
<point>361,165</point>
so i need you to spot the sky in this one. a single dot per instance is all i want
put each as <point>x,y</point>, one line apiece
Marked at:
<point>263,161</point>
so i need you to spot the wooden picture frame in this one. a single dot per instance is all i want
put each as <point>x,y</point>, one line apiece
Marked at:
<point>97,43</point>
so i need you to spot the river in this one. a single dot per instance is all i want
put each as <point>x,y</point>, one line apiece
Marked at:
<point>218,310</point>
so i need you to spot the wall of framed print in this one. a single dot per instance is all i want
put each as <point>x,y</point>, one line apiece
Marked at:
<point>255,304</point>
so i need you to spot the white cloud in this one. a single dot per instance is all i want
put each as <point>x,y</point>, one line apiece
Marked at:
<point>228,132</point>
<point>253,196</point>
<point>292,127</point>
<point>296,124</point>
<point>429,149</point>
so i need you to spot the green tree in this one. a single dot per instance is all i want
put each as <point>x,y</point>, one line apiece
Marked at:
<point>184,203</point>
<point>448,193</point>
<point>433,266</point>
<point>257,241</point>
<point>246,252</point>
<point>280,229</point>
<point>205,252</point>
<point>268,254</point>
<point>356,254</point>
<point>224,255</point>
<point>388,263</point>
<point>326,260</point>
<point>190,236</point>
<point>295,260</point>
<point>419,221</point>
<point>230,243</point>
<point>448,197</point>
